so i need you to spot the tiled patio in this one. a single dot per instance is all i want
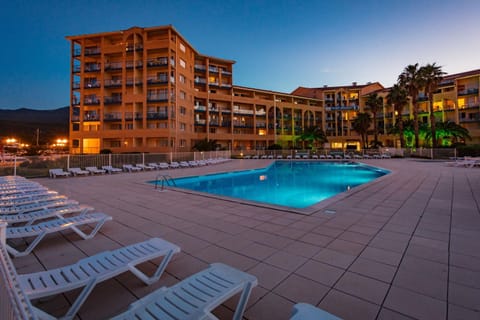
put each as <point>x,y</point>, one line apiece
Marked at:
<point>404,247</point>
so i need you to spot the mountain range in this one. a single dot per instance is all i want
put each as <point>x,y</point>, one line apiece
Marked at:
<point>24,124</point>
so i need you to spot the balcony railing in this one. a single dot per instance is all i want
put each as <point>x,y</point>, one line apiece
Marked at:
<point>212,69</point>
<point>112,83</point>
<point>91,101</point>
<point>112,116</point>
<point>226,73</point>
<point>76,85</point>
<point>77,69</point>
<point>157,80</point>
<point>92,68</point>
<point>157,97</point>
<point>157,115</point>
<point>113,66</point>
<point>200,68</point>
<point>138,47</point>
<point>91,117</point>
<point>199,108</point>
<point>468,92</point>
<point>92,51</point>
<point>200,122</point>
<point>200,80</point>
<point>91,85</point>
<point>157,62</point>
<point>112,100</point>
<point>129,82</point>
<point>131,64</point>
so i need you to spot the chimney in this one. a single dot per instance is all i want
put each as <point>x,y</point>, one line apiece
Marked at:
<point>354,84</point>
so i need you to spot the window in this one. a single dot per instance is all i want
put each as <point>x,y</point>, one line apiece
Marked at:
<point>183,143</point>
<point>129,126</point>
<point>182,47</point>
<point>163,142</point>
<point>76,143</point>
<point>115,144</point>
<point>182,126</point>
<point>76,127</point>
<point>183,95</point>
<point>183,110</point>
<point>182,78</point>
<point>162,125</point>
<point>183,64</point>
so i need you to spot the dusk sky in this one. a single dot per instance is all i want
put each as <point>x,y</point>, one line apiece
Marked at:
<point>277,45</point>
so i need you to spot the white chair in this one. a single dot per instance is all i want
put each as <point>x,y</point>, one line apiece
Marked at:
<point>144,167</point>
<point>111,169</point>
<point>26,195</point>
<point>305,311</point>
<point>163,165</point>
<point>40,230</point>
<point>174,165</point>
<point>18,209</point>
<point>58,173</point>
<point>95,170</point>
<point>154,165</point>
<point>130,168</point>
<point>184,164</point>
<point>90,271</point>
<point>31,200</point>
<point>196,296</point>
<point>78,172</point>
<point>30,217</point>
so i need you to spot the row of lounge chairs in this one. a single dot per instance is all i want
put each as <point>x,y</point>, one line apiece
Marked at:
<point>76,171</point>
<point>192,298</point>
<point>466,162</point>
<point>322,156</point>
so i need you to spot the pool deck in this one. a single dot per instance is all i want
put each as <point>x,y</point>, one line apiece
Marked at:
<point>406,246</point>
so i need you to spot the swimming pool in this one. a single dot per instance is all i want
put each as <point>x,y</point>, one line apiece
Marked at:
<point>295,184</point>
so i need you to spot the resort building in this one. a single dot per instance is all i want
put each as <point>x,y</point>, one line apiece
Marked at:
<point>149,90</point>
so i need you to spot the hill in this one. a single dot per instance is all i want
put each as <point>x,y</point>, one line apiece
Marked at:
<point>24,123</point>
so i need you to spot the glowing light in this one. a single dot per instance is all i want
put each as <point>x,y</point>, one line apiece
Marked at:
<point>262,177</point>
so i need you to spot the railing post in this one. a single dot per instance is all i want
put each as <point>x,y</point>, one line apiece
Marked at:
<point>15,165</point>
<point>143,158</point>
<point>455,153</point>
<point>109,159</point>
<point>431,153</point>
<point>68,162</point>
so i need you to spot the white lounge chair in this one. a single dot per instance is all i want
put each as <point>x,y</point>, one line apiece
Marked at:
<point>144,167</point>
<point>37,206</point>
<point>130,168</point>
<point>40,230</point>
<point>19,190</point>
<point>95,170</point>
<point>264,156</point>
<point>111,169</point>
<point>247,156</point>
<point>58,173</point>
<point>314,156</point>
<point>9,197</point>
<point>163,165</point>
<point>90,271</point>
<point>196,296</point>
<point>174,165</point>
<point>78,172</point>
<point>154,165</point>
<point>305,311</point>
<point>25,201</point>
<point>279,156</point>
<point>304,156</point>
<point>30,217</point>
<point>255,157</point>
<point>184,164</point>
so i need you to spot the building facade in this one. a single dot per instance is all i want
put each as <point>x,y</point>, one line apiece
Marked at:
<point>149,90</point>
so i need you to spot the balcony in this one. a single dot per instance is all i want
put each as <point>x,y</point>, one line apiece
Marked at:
<point>261,125</point>
<point>200,80</point>
<point>157,115</point>
<point>77,69</point>
<point>138,116</point>
<point>200,68</point>
<point>76,85</point>
<point>91,116</point>
<point>212,69</point>
<point>157,97</point>
<point>226,73</point>
<point>226,85</point>
<point>200,108</point>
<point>157,62</point>
<point>92,51</point>
<point>137,47</point>
<point>200,122</point>
<point>113,100</point>
<point>472,91</point>
<point>113,116</point>
<point>157,80</point>
<point>92,68</point>
<point>92,85</point>
<point>91,101</point>
<point>77,52</point>
<point>113,66</point>
<point>130,82</point>
<point>112,83</point>
<point>132,64</point>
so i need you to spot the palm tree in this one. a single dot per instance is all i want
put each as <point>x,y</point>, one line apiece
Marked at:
<point>361,124</point>
<point>313,135</point>
<point>375,103</point>
<point>411,80</point>
<point>431,75</point>
<point>399,99</point>
<point>449,130</point>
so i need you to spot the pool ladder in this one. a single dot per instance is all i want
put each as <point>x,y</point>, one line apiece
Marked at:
<point>164,180</point>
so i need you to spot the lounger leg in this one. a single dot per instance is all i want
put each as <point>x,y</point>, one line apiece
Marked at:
<point>242,302</point>
<point>92,234</point>
<point>158,273</point>
<point>80,300</point>
<point>42,315</point>
<point>29,249</point>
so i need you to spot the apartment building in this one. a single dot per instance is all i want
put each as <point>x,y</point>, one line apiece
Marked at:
<point>149,90</point>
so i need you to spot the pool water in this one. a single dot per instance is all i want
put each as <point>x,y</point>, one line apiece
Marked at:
<point>295,184</point>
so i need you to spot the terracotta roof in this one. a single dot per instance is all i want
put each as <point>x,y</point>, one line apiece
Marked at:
<point>317,93</point>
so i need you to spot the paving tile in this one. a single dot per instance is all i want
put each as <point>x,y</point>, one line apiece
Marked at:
<point>465,261</point>
<point>285,260</point>
<point>423,283</point>
<point>459,313</point>
<point>424,267</point>
<point>358,309</point>
<point>346,246</point>
<point>362,287</point>
<point>300,289</point>
<point>316,239</point>
<point>463,296</point>
<point>216,254</point>
<point>381,255</point>
<point>302,249</point>
<point>257,251</point>
<point>355,237</point>
<point>386,314</point>
<point>335,258</point>
<point>373,269</point>
<point>328,231</point>
<point>388,244</point>
<point>414,304</point>
<point>268,276</point>
<point>320,272</point>
<point>271,306</point>
<point>427,253</point>
<point>464,277</point>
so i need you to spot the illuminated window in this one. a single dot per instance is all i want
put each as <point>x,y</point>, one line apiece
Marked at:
<point>91,145</point>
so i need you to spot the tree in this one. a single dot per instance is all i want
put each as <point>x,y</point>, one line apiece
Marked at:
<point>313,135</point>
<point>411,80</point>
<point>399,99</point>
<point>449,130</point>
<point>375,103</point>
<point>205,145</point>
<point>431,75</point>
<point>361,124</point>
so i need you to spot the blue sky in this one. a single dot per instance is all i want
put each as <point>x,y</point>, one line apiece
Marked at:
<point>278,44</point>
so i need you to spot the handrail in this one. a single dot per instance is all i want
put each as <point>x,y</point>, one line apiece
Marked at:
<point>166,180</point>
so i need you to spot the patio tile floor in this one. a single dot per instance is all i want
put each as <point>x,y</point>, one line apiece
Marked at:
<point>406,246</point>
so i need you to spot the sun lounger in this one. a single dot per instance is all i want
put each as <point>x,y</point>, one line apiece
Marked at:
<point>11,197</point>
<point>163,165</point>
<point>184,164</point>
<point>130,168</point>
<point>305,311</point>
<point>37,206</point>
<point>111,169</point>
<point>40,230</point>
<point>196,296</point>
<point>144,167</point>
<point>174,165</point>
<point>58,173</point>
<point>25,201</point>
<point>30,217</point>
<point>78,172</point>
<point>90,271</point>
<point>279,156</point>
<point>247,157</point>
<point>95,170</point>
<point>193,163</point>
<point>154,165</point>
<point>255,157</point>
